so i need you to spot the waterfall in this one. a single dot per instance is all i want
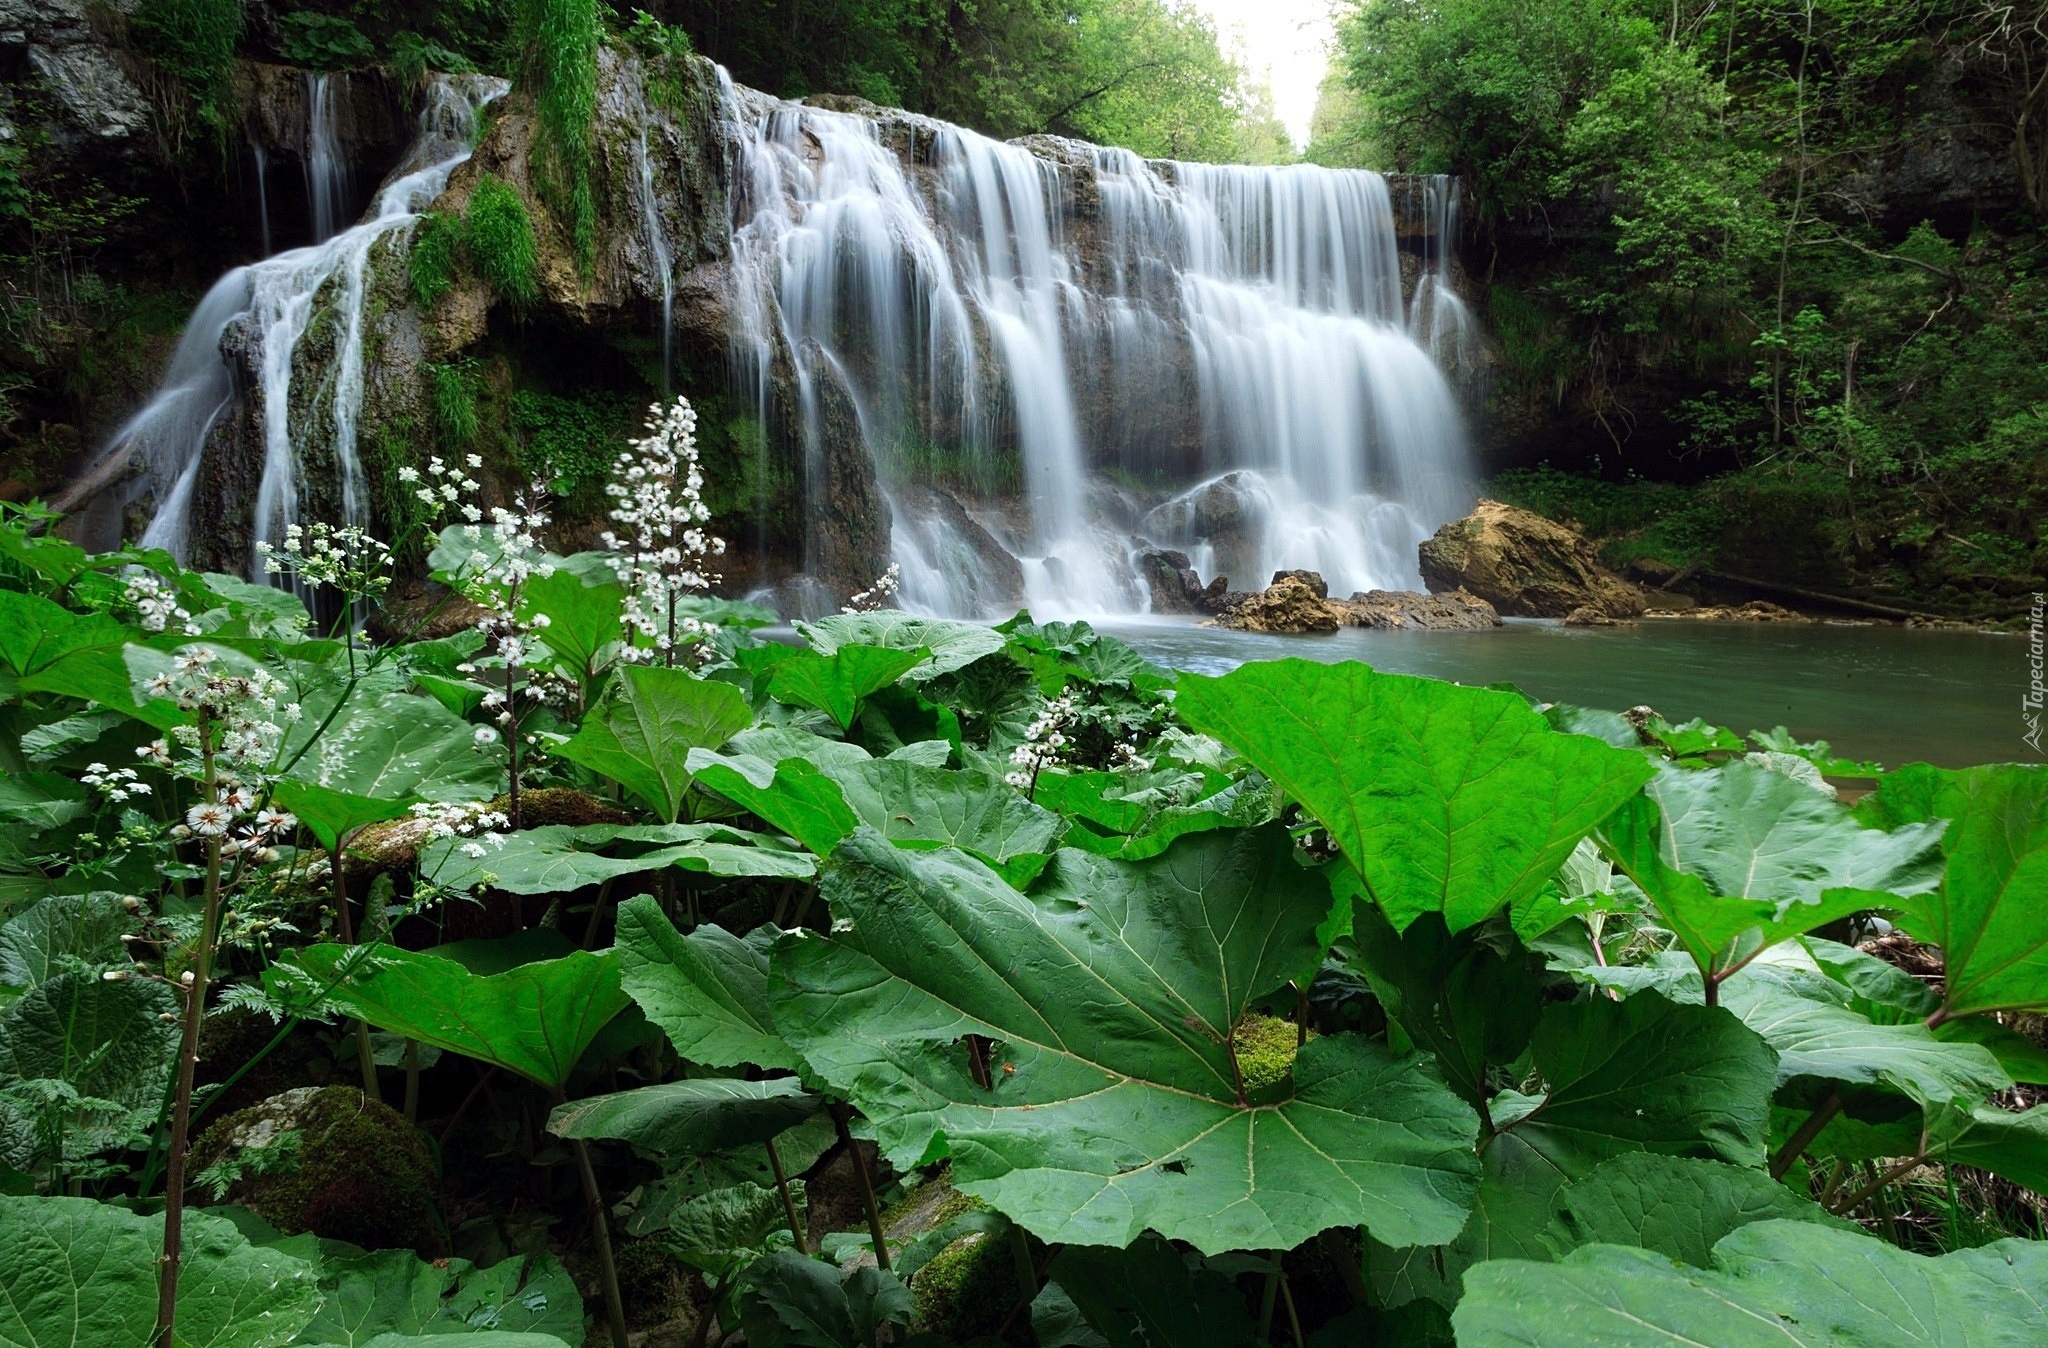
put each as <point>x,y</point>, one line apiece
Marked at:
<point>327,168</point>
<point>268,307</point>
<point>1437,317</point>
<point>262,193</point>
<point>660,255</point>
<point>1106,352</point>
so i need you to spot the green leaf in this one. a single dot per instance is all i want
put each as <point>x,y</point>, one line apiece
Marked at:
<point>558,858</point>
<point>1146,1296</point>
<point>1644,1073</point>
<point>1773,1283</point>
<point>35,634</point>
<point>1816,1038</point>
<point>1675,1206</point>
<point>708,991</point>
<point>42,800</point>
<point>584,615</point>
<point>64,932</point>
<point>835,684</point>
<point>682,1118</point>
<point>1738,858</point>
<point>1446,799</point>
<point>74,1272</point>
<point>723,1231</point>
<point>379,757</point>
<point>796,1302</point>
<point>1986,916</point>
<point>947,645</point>
<point>1108,997</point>
<point>392,1294</point>
<point>104,1041</point>
<point>645,725</point>
<point>535,1019</point>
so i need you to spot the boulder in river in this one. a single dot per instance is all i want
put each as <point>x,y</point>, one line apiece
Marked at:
<point>1405,610</point>
<point>1288,605</point>
<point>1524,565</point>
<point>1585,615</point>
<point>1755,611</point>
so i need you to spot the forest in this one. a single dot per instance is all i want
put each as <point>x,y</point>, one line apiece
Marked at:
<point>640,705</point>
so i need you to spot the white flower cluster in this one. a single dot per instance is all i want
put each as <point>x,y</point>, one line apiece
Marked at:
<point>116,784</point>
<point>245,720</point>
<point>156,601</point>
<point>1126,758</point>
<point>349,558</point>
<point>445,484</point>
<point>663,553</point>
<point>214,819</point>
<point>477,824</point>
<point>878,595</point>
<point>1044,741</point>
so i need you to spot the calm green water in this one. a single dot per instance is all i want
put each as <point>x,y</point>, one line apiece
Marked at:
<point>1882,693</point>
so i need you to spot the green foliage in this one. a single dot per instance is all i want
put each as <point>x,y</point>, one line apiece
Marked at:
<point>568,442</point>
<point>455,412</point>
<point>642,731</point>
<point>498,235</point>
<point>193,41</point>
<point>430,266</point>
<point>324,41</point>
<point>557,43</point>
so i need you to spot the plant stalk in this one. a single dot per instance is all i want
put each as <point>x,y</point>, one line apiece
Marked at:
<point>796,1226</point>
<point>1808,1131</point>
<point>607,1268</point>
<point>867,1188</point>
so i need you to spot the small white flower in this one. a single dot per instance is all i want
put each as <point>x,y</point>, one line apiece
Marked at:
<point>486,735</point>
<point>208,820</point>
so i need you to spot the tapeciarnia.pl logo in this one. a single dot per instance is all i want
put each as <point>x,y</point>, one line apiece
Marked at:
<point>2037,690</point>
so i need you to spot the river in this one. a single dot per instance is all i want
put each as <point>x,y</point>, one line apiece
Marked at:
<point>1882,693</point>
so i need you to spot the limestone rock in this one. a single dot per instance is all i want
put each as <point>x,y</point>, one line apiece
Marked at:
<point>1171,581</point>
<point>1313,579</point>
<point>1524,565</point>
<point>1585,615</point>
<point>1289,605</point>
<point>331,1161</point>
<point>1405,610</point>
<point>1755,611</point>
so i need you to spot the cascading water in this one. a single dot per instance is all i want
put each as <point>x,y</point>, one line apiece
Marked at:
<point>1242,329</point>
<point>1437,317</point>
<point>272,304</point>
<point>660,255</point>
<point>327,166</point>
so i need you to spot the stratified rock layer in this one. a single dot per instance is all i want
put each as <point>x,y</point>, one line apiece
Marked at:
<point>1524,565</point>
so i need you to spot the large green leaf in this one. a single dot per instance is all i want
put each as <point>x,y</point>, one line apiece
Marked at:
<point>645,725</point>
<point>535,1019</point>
<point>1819,1038</point>
<point>74,932</point>
<point>35,634</point>
<point>796,1302</point>
<point>837,683</point>
<point>1109,999</point>
<point>557,858</point>
<point>379,757</point>
<point>43,800</point>
<point>909,803</point>
<point>1147,1297</point>
<point>1674,1205</point>
<point>1986,916</point>
<point>947,644</point>
<point>79,1274</point>
<point>392,1293</point>
<point>723,1231</point>
<point>583,612</point>
<point>683,1118</point>
<point>1644,1073</point>
<point>1446,799</point>
<point>708,991</point>
<point>84,1063</point>
<point>1738,858</point>
<point>1775,1283</point>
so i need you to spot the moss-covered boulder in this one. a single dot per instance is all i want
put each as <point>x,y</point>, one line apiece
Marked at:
<point>331,1161</point>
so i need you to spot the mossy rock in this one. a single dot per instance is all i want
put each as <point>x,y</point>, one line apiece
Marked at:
<point>651,1282</point>
<point>331,1161</point>
<point>968,1289</point>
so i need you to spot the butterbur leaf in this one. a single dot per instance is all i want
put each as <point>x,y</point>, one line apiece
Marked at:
<point>835,684</point>
<point>583,611</point>
<point>556,858</point>
<point>796,1302</point>
<point>1147,1296</point>
<point>681,1118</point>
<point>1644,1073</point>
<point>378,757</point>
<point>1774,1283</point>
<point>63,932</point>
<point>1738,858</point>
<point>1674,1205</point>
<point>721,1232</point>
<point>1107,999</point>
<point>708,991</point>
<point>645,725</point>
<point>946,644</point>
<point>76,1272</point>
<point>1987,915</point>
<point>1446,799</point>
<point>535,1019</point>
<point>394,1295</point>
<point>97,1055</point>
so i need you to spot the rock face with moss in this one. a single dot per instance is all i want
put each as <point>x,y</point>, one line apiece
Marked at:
<point>1524,565</point>
<point>330,1161</point>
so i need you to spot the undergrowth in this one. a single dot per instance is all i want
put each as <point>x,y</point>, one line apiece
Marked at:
<point>557,42</point>
<point>499,235</point>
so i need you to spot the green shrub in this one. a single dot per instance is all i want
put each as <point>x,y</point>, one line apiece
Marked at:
<point>193,41</point>
<point>455,404</point>
<point>431,264</point>
<point>500,237</point>
<point>325,41</point>
<point>569,442</point>
<point>558,41</point>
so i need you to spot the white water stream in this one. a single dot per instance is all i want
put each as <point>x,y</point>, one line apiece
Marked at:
<point>271,305</point>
